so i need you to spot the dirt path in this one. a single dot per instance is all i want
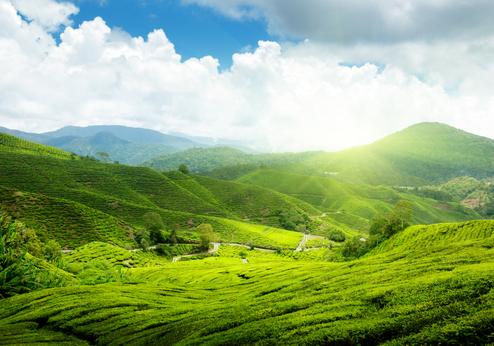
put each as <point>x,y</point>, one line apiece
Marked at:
<point>215,249</point>
<point>305,238</point>
<point>264,249</point>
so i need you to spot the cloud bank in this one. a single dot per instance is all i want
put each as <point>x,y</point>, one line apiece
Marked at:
<point>279,96</point>
<point>351,21</point>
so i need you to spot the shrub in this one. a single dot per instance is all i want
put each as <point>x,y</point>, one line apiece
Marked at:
<point>355,247</point>
<point>18,270</point>
<point>183,169</point>
<point>206,235</point>
<point>154,225</point>
<point>337,236</point>
<point>52,251</point>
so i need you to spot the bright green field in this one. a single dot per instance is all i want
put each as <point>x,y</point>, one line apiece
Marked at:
<point>427,285</point>
<point>353,205</point>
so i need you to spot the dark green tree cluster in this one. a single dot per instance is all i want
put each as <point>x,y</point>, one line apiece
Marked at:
<point>336,235</point>
<point>19,248</point>
<point>382,227</point>
<point>206,234</point>
<point>293,220</point>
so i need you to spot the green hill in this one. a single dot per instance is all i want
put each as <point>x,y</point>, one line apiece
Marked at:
<point>84,200</point>
<point>204,160</point>
<point>11,144</point>
<point>426,285</point>
<point>354,204</point>
<point>69,223</point>
<point>419,155</point>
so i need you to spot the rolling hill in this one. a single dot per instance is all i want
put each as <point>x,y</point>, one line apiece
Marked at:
<point>354,204</point>
<point>425,285</point>
<point>68,194</point>
<point>423,154</point>
<point>258,283</point>
<point>205,160</point>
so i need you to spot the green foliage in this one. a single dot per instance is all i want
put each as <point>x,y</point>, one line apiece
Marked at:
<point>425,285</point>
<point>143,239</point>
<point>183,169</point>
<point>383,227</point>
<point>336,235</point>
<point>292,220</point>
<point>154,225</point>
<point>217,159</point>
<point>206,232</point>
<point>355,247</point>
<point>172,250</point>
<point>20,272</point>
<point>52,251</point>
<point>353,205</point>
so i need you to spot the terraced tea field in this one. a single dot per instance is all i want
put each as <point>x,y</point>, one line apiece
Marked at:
<point>413,289</point>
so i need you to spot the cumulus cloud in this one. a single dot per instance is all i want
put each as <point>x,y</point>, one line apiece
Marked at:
<point>47,13</point>
<point>283,96</point>
<point>351,21</point>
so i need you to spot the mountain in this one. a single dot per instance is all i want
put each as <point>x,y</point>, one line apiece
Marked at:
<point>106,142</point>
<point>426,153</point>
<point>123,144</point>
<point>130,134</point>
<point>217,142</point>
<point>33,137</point>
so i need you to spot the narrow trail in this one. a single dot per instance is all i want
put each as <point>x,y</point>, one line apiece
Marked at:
<point>305,238</point>
<point>216,246</point>
<point>215,249</point>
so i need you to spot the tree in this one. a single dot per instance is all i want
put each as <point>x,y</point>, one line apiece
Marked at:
<point>142,239</point>
<point>103,156</point>
<point>52,251</point>
<point>154,225</point>
<point>385,225</point>
<point>206,235</point>
<point>173,236</point>
<point>354,247</point>
<point>183,169</point>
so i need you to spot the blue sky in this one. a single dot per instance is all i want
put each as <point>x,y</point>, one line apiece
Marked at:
<point>352,72</point>
<point>196,31</point>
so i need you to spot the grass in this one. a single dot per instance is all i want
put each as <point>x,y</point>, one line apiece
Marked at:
<point>411,290</point>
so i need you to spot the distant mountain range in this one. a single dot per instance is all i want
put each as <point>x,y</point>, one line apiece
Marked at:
<point>422,154</point>
<point>123,144</point>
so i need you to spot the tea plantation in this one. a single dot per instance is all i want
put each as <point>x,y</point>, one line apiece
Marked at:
<point>413,289</point>
<point>107,254</point>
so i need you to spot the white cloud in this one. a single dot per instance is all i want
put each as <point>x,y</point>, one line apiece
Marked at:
<point>47,13</point>
<point>289,96</point>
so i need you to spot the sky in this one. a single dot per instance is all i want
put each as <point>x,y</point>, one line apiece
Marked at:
<point>280,75</point>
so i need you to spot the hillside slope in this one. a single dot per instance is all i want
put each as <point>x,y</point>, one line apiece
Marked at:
<point>435,289</point>
<point>422,154</point>
<point>77,190</point>
<point>15,145</point>
<point>204,160</point>
<point>354,204</point>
